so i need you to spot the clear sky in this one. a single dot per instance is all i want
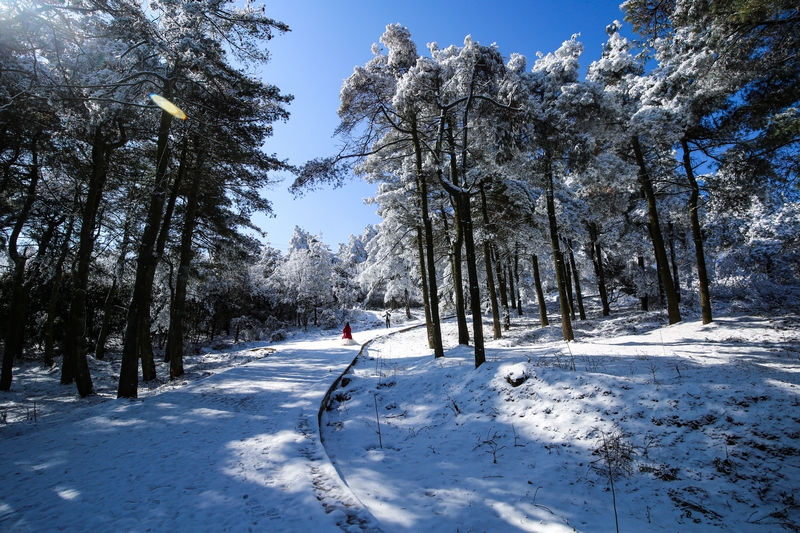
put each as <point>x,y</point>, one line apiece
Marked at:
<point>330,37</point>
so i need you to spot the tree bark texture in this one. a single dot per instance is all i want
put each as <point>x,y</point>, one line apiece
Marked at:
<point>596,255</point>
<point>655,231</point>
<point>577,280</point>
<point>134,336</point>
<point>644,300</point>
<point>674,261</point>
<point>537,280</point>
<point>516,279</point>
<point>76,330</point>
<point>501,282</point>
<point>465,214</point>
<point>178,310</point>
<point>487,259</point>
<point>18,308</point>
<point>697,235</point>
<point>456,246</point>
<point>430,259</point>
<point>424,277</point>
<point>558,260</point>
<point>568,281</point>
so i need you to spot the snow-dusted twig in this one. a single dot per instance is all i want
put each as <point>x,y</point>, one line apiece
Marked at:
<point>378,418</point>
<point>491,443</point>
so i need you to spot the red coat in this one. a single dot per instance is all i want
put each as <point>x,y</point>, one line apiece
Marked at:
<point>346,333</point>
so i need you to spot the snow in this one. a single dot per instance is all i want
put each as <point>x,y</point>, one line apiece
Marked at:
<point>700,425</point>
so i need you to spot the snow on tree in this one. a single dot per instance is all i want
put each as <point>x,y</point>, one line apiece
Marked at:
<point>305,278</point>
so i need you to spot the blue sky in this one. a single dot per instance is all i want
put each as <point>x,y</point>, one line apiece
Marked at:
<point>329,38</point>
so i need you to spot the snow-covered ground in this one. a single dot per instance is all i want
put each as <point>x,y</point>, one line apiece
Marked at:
<point>237,450</point>
<point>699,426</point>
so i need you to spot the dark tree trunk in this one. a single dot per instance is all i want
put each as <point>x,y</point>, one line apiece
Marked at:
<point>15,334</point>
<point>576,278</point>
<point>52,305</point>
<point>18,308</point>
<point>487,258</point>
<point>407,299</point>
<point>146,346</point>
<point>539,292</point>
<point>673,261</point>
<point>558,260</point>
<point>461,196</point>
<point>661,294</point>
<point>456,244</point>
<point>501,281</point>
<point>655,230</point>
<point>644,299</point>
<point>512,291</point>
<point>178,310</point>
<point>595,254</point>
<point>76,329</point>
<point>430,261</point>
<point>424,277</point>
<point>568,281</point>
<point>465,214</point>
<point>697,236</point>
<point>516,279</point>
<point>134,336</point>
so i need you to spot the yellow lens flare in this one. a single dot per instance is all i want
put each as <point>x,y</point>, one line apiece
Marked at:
<point>168,106</point>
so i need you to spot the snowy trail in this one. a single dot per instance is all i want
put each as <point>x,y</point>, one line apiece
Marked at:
<point>238,451</point>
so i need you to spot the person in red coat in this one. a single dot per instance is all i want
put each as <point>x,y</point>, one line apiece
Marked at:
<point>347,332</point>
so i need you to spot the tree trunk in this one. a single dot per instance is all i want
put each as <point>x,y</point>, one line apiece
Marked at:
<point>537,280</point>
<point>15,334</point>
<point>18,308</point>
<point>644,298</point>
<point>424,278</point>
<point>52,305</point>
<point>539,292</point>
<point>456,245</point>
<point>146,346</point>
<point>501,281</point>
<point>558,260</point>
<point>407,299</point>
<point>178,310</point>
<point>487,259</point>
<point>568,281</point>
<point>576,278</point>
<point>512,290</point>
<point>430,261</point>
<point>516,279</point>
<point>658,242</point>
<point>673,261</point>
<point>697,236</point>
<point>134,336</point>
<point>461,196</point>
<point>76,328</point>
<point>433,288</point>
<point>595,254</point>
<point>465,214</point>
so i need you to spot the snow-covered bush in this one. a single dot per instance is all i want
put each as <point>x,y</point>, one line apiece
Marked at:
<point>328,319</point>
<point>277,336</point>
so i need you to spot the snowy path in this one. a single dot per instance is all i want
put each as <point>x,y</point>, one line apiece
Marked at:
<point>238,451</point>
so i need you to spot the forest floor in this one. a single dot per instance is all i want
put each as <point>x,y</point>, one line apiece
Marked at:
<point>661,428</point>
